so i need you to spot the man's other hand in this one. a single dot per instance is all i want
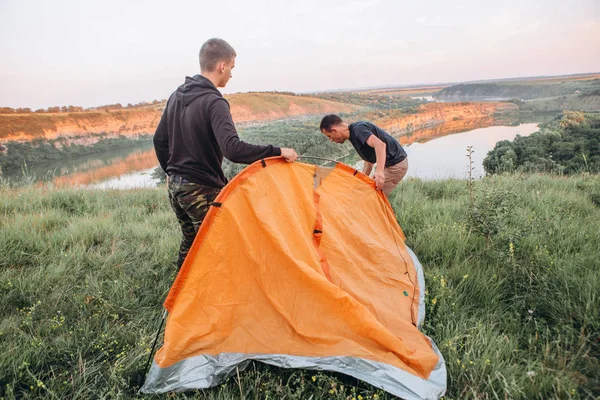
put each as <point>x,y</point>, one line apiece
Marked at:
<point>379,178</point>
<point>290,155</point>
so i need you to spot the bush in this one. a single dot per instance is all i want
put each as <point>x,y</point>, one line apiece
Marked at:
<point>567,145</point>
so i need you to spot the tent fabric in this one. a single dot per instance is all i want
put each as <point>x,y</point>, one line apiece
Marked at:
<point>299,266</point>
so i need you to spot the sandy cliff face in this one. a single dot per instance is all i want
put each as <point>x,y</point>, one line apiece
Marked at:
<point>245,107</point>
<point>435,113</point>
<point>52,125</point>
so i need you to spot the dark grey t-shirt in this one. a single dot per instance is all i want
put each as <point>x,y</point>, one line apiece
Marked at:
<point>359,134</point>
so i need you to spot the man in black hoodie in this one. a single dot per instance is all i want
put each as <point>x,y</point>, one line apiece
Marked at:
<point>194,134</point>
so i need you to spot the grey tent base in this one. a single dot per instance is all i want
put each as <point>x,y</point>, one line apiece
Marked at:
<point>205,371</point>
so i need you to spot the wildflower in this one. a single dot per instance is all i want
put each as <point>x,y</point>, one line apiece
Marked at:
<point>511,250</point>
<point>443,282</point>
<point>487,361</point>
<point>465,276</point>
<point>434,301</point>
<point>314,378</point>
<point>360,397</point>
<point>375,396</point>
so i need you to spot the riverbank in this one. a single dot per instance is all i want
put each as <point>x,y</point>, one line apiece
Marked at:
<point>35,155</point>
<point>432,114</point>
<point>511,273</point>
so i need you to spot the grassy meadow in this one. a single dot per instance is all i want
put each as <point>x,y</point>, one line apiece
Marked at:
<point>511,264</point>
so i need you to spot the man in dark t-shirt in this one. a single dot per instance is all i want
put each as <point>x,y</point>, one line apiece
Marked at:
<point>374,146</point>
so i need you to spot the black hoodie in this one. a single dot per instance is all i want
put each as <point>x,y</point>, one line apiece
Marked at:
<point>196,131</point>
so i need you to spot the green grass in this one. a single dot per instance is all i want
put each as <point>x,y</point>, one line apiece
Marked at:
<point>512,275</point>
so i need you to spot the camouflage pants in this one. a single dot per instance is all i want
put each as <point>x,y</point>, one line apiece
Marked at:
<point>190,201</point>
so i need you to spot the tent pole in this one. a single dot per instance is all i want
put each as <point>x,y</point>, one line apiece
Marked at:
<point>319,158</point>
<point>164,315</point>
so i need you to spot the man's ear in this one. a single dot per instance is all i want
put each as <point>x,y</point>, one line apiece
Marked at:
<point>222,66</point>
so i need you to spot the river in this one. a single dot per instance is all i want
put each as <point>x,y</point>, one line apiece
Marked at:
<point>437,152</point>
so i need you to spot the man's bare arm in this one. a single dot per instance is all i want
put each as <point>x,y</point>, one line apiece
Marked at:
<point>380,151</point>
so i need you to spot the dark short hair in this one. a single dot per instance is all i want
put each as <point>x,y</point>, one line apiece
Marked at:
<point>213,52</point>
<point>328,121</point>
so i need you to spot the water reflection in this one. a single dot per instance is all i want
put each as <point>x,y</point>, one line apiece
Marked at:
<point>138,179</point>
<point>446,128</point>
<point>95,168</point>
<point>133,163</point>
<point>445,157</point>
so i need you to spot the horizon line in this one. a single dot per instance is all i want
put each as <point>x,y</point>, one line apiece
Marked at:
<point>363,88</point>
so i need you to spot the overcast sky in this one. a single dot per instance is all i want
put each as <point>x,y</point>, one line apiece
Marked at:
<point>92,53</point>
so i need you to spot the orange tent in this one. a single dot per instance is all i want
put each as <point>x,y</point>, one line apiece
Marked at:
<point>299,266</point>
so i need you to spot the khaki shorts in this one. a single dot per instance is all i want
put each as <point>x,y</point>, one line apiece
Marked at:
<point>393,175</point>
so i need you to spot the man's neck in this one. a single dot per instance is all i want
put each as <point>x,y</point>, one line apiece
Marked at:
<point>346,130</point>
<point>211,77</point>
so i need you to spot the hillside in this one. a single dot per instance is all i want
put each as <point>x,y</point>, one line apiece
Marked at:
<point>17,127</point>
<point>523,89</point>
<point>245,107</point>
<point>589,101</point>
<point>254,107</point>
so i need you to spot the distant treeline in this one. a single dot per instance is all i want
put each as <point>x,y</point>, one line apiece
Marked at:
<point>41,151</point>
<point>70,109</point>
<point>523,91</point>
<point>568,144</point>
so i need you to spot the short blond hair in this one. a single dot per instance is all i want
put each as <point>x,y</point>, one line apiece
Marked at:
<point>212,52</point>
